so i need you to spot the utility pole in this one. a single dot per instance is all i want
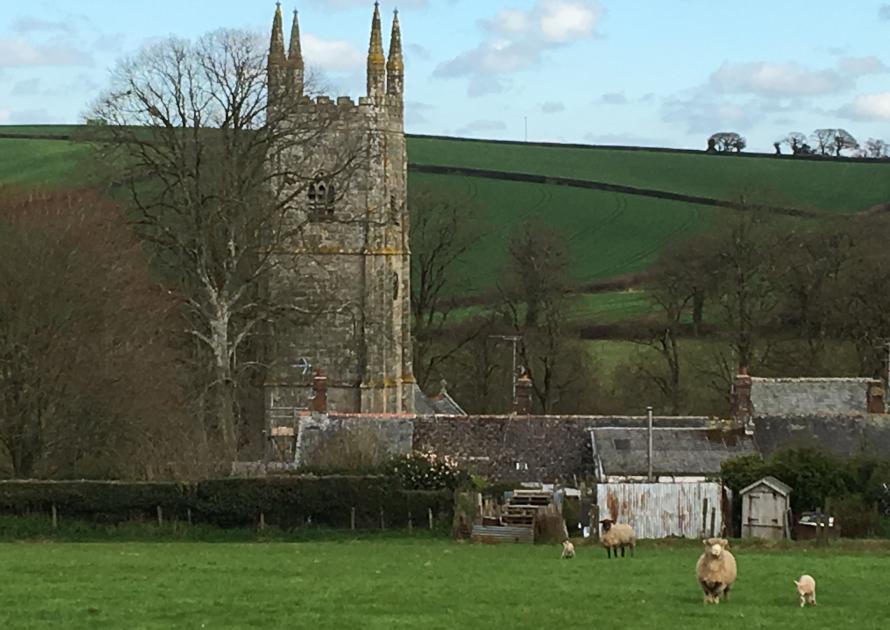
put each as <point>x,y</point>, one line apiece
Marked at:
<point>514,339</point>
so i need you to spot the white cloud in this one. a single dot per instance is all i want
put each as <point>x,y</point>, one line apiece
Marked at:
<point>776,80</point>
<point>704,114</point>
<point>553,107</point>
<point>613,98</point>
<point>331,54</point>
<point>884,12</point>
<point>862,66</point>
<point>516,40</point>
<point>18,51</point>
<point>868,107</point>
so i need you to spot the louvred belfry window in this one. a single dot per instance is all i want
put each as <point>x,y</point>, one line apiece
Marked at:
<point>321,197</point>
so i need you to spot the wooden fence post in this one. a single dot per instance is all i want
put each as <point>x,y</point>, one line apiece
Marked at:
<point>713,521</point>
<point>262,520</point>
<point>188,514</point>
<point>429,515</point>
<point>352,519</point>
<point>160,513</point>
<point>704,517</point>
<point>382,524</point>
<point>410,524</point>
<point>55,517</point>
<point>595,521</point>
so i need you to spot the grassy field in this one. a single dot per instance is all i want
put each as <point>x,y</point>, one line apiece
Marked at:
<point>607,234</point>
<point>834,186</point>
<point>429,584</point>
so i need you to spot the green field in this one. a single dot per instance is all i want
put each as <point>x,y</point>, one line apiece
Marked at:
<point>830,185</point>
<point>423,583</point>
<point>607,234</point>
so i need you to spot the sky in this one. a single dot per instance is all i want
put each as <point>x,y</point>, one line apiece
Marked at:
<point>638,72</point>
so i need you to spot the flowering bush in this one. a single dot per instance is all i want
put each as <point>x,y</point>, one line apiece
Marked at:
<point>427,471</point>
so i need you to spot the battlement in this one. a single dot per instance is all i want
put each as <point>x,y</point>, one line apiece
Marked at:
<point>347,108</point>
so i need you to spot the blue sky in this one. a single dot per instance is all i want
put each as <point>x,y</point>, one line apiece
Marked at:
<point>649,72</point>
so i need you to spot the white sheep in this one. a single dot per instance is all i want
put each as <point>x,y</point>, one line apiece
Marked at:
<point>568,549</point>
<point>617,536</point>
<point>806,588</point>
<point>716,570</point>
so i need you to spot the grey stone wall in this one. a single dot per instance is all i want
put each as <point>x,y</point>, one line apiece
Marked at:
<point>349,273</point>
<point>808,396</point>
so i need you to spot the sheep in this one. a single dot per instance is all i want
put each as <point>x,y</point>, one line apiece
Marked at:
<point>806,588</point>
<point>716,570</point>
<point>617,536</point>
<point>568,549</point>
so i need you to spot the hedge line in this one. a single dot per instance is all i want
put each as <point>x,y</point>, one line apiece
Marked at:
<point>331,501</point>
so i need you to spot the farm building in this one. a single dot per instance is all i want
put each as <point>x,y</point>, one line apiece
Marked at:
<point>677,454</point>
<point>765,509</point>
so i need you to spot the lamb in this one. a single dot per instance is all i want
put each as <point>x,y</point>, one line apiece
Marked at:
<point>806,588</point>
<point>568,549</point>
<point>617,536</point>
<point>716,570</point>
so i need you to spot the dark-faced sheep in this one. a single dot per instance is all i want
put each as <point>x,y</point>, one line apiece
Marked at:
<point>617,536</point>
<point>716,570</point>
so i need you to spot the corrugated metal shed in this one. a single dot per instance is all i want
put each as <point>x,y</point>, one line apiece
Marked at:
<point>659,510</point>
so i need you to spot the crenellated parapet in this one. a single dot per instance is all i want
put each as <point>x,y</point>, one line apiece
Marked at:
<point>385,73</point>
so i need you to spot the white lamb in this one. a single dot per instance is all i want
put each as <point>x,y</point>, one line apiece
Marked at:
<point>568,549</point>
<point>716,570</point>
<point>617,536</point>
<point>806,588</point>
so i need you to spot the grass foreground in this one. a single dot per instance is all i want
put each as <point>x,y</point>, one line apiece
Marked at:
<point>425,583</point>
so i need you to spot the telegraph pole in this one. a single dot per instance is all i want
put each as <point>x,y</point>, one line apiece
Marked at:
<point>514,339</point>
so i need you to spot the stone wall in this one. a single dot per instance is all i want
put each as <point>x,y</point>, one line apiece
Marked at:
<point>809,396</point>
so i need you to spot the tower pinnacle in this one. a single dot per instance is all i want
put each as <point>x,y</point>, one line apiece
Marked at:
<point>277,59</point>
<point>376,60</point>
<point>295,67</point>
<point>395,67</point>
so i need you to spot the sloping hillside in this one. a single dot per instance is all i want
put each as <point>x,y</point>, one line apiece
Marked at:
<point>608,233</point>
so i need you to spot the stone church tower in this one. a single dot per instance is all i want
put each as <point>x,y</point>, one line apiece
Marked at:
<point>350,268</point>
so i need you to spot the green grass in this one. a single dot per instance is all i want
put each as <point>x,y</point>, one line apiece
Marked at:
<point>42,162</point>
<point>429,584</point>
<point>606,233</point>
<point>834,186</point>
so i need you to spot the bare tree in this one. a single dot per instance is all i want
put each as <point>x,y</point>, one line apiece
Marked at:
<point>830,141</point>
<point>877,149</point>
<point>727,142</point>
<point>534,291</point>
<point>213,167</point>
<point>89,383</point>
<point>796,143</point>
<point>443,231</point>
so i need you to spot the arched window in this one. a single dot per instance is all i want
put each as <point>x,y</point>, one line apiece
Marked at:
<point>321,196</point>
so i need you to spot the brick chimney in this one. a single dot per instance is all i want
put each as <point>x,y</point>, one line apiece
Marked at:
<point>523,403</point>
<point>875,397</point>
<point>319,402</point>
<point>742,408</point>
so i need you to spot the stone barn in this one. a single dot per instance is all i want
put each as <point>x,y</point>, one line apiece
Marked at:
<point>765,509</point>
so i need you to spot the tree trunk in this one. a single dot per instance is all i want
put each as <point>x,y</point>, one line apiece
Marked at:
<point>224,384</point>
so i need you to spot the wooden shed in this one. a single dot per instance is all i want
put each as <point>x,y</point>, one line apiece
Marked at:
<point>765,509</point>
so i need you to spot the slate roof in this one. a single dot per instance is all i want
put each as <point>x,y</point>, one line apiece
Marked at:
<point>440,405</point>
<point>677,452</point>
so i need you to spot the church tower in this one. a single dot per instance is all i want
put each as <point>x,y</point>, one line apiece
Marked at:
<point>350,266</point>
